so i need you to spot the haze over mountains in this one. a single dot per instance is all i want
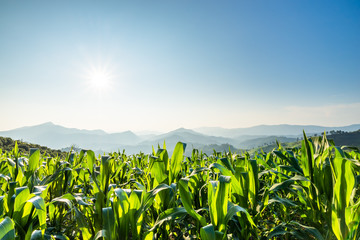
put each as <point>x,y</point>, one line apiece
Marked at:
<point>58,137</point>
<point>278,130</point>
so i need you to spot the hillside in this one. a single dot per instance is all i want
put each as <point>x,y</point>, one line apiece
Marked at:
<point>340,138</point>
<point>7,144</point>
<point>264,141</point>
<point>346,138</point>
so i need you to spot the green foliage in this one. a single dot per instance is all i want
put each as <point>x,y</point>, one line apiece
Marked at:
<point>307,192</point>
<point>8,144</point>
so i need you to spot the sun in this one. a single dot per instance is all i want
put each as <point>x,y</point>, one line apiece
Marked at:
<point>99,80</point>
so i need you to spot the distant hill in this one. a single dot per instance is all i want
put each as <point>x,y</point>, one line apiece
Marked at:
<point>59,137</point>
<point>192,139</point>
<point>7,144</point>
<point>277,130</point>
<point>340,138</point>
<point>188,136</point>
<point>264,141</point>
<point>346,138</point>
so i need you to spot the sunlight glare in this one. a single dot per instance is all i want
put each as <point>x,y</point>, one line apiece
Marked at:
<point>99,80</point>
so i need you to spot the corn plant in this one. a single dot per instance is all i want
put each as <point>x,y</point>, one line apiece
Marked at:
<point>307,192</point>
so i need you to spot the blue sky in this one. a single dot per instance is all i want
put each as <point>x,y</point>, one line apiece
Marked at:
<point>162,65</point>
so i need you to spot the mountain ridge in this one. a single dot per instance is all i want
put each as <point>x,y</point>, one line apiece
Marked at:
<point>58,137</point>
<point>278,129</point>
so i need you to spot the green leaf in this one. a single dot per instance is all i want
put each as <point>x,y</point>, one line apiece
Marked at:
<point>64,199</point>
<point>253,182</point>
<point>122,205</point>
<point>218,197</point>
<point>283,201</point>
<point>308,161</point>
<point>82,223</point>
<point>158,165</point>
<point>221,198</point>
<point>37,235</point>
<point>208,232</point>
<point>309,230</point>
<point>101,235</point>
<point>233,210</point>
<point>16,150</point>
<point>136,212</point>
<point>90,155</point>
<point>105,168</point>
<point>109,222</point>
<point>287,183</point>
<point>22,195</point>
<point>235,183</point>
<point>344,185</point>
<point>278,230</point>
<point>34,159</point>
<point>289,159</point>
<point>169,215</point>
<point>7,229</point>
<point>227,164</point>
<point>176,160</point>
<point>2,205</point>
<point>39,204</point>
<point>187,201</point>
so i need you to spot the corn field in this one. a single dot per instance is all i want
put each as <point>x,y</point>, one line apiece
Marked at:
<point>309,192</point>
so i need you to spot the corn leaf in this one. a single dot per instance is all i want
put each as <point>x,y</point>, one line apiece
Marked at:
<point>7,229</point>
<point>187,201</point>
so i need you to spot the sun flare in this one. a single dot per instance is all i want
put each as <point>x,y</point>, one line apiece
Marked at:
<point>99,80</point>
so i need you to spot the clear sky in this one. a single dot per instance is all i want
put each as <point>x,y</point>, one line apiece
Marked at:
<point>164,64</point>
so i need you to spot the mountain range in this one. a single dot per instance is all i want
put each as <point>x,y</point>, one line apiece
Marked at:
<point>278,130</point>
<point>220,139</point>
